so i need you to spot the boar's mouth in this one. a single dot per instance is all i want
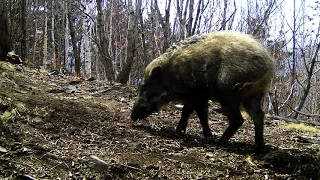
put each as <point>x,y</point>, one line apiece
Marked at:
<point>141,112</point>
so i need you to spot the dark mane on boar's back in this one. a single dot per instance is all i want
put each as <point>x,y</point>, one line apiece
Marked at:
<point>231,68</point>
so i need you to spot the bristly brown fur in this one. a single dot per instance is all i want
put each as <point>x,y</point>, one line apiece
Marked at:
<point>230,67</point>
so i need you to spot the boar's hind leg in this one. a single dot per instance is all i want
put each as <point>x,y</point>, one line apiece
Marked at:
<point>201,107</point>
<point>230,105</point>
<point>253,107</point>
<point>186,112</point>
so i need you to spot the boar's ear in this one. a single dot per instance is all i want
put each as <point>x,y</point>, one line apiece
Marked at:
<point>156,73</point>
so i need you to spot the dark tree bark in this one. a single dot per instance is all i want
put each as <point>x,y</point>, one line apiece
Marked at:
<point>106,59</point>
<point>5,42</point>
<point>24,30</point>
<point>73,40</point>
<point>189,25</point>
<point>306,89</point>
<point>164,23</point>
<point>131,46</point>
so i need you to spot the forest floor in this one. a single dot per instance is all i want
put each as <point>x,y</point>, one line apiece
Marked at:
<point>59,127</point>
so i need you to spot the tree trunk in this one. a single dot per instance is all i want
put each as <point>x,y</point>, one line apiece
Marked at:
<point>24,30</point>
<point>224,15</point>
<point>189,25</point>
<point>5,43</point>
<point>164,23</point>
<point>35,34</point>
<point>131,46</point>
<point>197,21</point>
<point>52,37</point>
<point>182,20</point>
<point>86,48</point>
<point>45,35</point>
<point>106,59</point>
<point>73,41</point>
<point>66,37</point>
<point>306,90</point>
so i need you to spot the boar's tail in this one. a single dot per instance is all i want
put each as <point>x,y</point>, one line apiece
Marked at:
<point>258,87</point>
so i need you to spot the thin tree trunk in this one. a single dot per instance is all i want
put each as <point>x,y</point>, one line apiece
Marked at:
<point>24,30</point>
<point>52,37</point>
<point>86,47</point>
<point>198,17</point>
<point>35,35</point>
<point>309,77</point>
<point>110,50</point>
<point>153,33</point>
<point>5,43</point>
<point>106,59</point>
<point>164,23</point>
<point>45,35</point>
<point>66,37</point>
<point>131,46</point>
<point>189,25</point>
<point>73,41</point>
<point>224,15</point>
<point>143,34</point>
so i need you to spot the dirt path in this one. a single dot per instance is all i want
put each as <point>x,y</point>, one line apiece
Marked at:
<point>55,126</point>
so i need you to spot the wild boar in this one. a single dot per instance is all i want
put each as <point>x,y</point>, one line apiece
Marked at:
<point>228,67</point>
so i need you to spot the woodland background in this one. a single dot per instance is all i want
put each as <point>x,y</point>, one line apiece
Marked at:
<point>115,39</point>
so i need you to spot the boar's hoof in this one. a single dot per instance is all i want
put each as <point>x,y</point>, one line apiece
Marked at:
<point>258,147</point>
<point>180,133</point>
<point>209,139</point>
<point>180,130</point>
<point>221,143</point>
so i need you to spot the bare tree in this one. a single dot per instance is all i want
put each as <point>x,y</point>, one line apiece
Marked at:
<point>5,43</point>
<point>131,44</point>
<point>53,46</point>
<point>106,59</point>
<point>66,35</point>
<point>45,35</point>
<point>165,23</point>
<point>86,51</point>
<point>24,30</point>
<point>73,40</point>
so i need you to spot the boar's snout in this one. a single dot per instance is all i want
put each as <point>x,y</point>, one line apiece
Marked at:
<point>139,112</point>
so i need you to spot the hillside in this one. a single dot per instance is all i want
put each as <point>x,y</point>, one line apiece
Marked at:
<point>57,126</point>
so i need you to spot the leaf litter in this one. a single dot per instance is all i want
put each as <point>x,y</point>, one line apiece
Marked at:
<point>55,126</point>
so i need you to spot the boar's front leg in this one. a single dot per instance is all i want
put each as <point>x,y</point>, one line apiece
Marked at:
<point>231,106</point>
<point>201,107</point>
<point>186,112</point>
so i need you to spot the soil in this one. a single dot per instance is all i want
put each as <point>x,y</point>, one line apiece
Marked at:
<point>55,126</point>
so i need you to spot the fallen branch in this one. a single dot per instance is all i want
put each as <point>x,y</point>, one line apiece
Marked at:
<point>309,140</point>
<point>304,114</point>
<point>292,120</point>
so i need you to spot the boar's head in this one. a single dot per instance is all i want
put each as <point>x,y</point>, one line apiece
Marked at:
<point>153,94</point>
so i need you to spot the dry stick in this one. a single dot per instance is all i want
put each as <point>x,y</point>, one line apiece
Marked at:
<point>292,120</point>
<point>299,112</point>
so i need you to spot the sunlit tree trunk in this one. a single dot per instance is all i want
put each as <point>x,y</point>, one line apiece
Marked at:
<point>85,45</point>
<point>52,36</point>
<point>45,35</point>
<point>66,37</point>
